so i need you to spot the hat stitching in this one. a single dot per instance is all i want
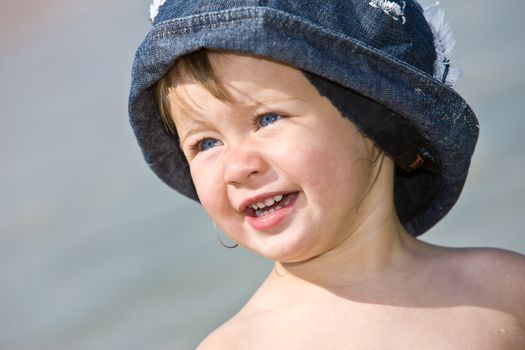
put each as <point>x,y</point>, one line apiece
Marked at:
<point>444,41</point>
<point>303,27</point>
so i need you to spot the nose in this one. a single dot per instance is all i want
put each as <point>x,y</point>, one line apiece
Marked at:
<point>243,164</point>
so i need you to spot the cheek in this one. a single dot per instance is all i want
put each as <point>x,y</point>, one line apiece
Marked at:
<point>209,190</point>
<point>329,165</point>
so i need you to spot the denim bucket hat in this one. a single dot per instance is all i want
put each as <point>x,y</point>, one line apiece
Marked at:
<point>384,64</point>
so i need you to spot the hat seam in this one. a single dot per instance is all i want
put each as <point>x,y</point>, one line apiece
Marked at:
<point>218,19</point>
<point>221,19</point>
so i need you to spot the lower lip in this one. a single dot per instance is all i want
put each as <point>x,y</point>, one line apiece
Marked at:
<point>265,223</point>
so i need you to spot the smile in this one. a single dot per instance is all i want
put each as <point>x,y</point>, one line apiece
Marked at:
<point>265,214</point>
<point>271,204</point>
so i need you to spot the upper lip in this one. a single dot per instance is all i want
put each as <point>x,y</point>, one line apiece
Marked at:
<point>259,198</point>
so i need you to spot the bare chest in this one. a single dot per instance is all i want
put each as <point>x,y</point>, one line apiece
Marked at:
<point>386,327</point>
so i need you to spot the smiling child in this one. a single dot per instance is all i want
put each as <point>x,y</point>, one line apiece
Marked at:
<point>326,137</point>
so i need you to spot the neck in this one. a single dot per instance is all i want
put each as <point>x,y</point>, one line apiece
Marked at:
<point>365,255</point>
<point>376,246</point>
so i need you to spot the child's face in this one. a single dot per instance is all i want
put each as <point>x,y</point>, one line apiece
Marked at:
<point>280,138</point>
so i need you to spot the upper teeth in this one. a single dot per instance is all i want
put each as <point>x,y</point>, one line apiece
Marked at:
<point>267,202</point>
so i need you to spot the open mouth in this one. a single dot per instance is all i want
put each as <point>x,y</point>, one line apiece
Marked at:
<point>271,205</point>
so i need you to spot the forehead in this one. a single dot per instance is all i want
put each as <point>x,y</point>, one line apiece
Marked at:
<point>250,82</point>
<point>249,76</point>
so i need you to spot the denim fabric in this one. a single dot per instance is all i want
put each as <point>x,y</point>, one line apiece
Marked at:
<point>383,56</point>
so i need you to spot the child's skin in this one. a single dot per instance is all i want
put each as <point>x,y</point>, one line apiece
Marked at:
<point>347,275</point>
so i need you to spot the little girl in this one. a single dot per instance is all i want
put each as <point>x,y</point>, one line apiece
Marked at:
<point>325,136</point>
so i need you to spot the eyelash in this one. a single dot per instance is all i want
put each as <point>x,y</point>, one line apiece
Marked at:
<point>257,119</point>
<point>196,146</point>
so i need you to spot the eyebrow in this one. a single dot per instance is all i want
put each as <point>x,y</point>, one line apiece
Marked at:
<point>270,101</point>
<point>198,119</point>
<point>192,130</point>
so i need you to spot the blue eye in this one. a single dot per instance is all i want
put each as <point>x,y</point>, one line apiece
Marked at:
<point>207,143</point>
<point>268,119</point>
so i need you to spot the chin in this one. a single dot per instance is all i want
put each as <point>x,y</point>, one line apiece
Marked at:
<point>288,249</point>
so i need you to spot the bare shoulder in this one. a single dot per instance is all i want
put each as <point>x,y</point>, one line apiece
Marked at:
<point>221,338</point>
<point>237,333</point>
<point>498,257</point>
<point>499,267</point>
<point>498,274</point>
<point>483,289</point>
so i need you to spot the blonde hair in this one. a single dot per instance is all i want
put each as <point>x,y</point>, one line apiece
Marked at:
<point>195,66</point>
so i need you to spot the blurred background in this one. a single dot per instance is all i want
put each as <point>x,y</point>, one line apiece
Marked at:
<point>97,253</point>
